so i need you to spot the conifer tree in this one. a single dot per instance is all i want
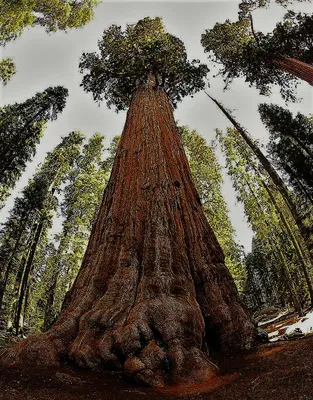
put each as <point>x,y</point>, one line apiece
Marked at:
<point>7,70</point>
<point>263,60</point>
<point>53,15</point>
<point>276,180</point>
<point>21,128</point>
<point>82,196</point>
<point>265,210</point>
<point>291,146</point>
<point>33,213</point>
<point>263,286</point>
<point>153,290</point>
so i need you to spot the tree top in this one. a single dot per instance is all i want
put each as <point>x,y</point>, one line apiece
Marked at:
<point>128,58</point>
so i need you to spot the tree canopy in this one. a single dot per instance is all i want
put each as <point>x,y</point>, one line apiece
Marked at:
<point>247,6</point>
<point>17,15</point>
<point>128,58</point>
<point>7,70</point>
<point>290,145</point>
<point>257,57</point>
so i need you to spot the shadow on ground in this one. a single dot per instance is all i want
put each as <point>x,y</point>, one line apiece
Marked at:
<point>275,371</point>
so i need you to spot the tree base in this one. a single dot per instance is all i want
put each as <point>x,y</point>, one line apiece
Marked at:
<point>158,344</point>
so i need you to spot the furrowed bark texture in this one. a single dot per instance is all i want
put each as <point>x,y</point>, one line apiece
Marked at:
<point>295,67</point>
<point>153,292</point>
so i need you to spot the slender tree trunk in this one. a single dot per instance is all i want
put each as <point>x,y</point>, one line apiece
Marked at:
<point>295,67</point>
<point>280,185</point>
<point>294,241</point>
<point>8,267</point>
<point>49,315</point>
<point>284,265</point>
<point>26,302</point>
<point>26,275</point>
<point>289,283</point>
<point>153,289</point>
<point>19,274</point>
<point>297,246</point>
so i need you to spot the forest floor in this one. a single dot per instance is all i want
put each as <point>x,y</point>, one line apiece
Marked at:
<point>275,371</point>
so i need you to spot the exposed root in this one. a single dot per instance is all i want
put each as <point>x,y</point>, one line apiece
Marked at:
<point>159,343</point>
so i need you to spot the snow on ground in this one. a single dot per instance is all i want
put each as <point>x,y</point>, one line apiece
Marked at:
<point>303,325</point>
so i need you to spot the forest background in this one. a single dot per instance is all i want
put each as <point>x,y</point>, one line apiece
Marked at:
<point>48,60</point>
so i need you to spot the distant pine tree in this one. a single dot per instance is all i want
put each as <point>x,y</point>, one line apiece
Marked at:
<point>21,128</point>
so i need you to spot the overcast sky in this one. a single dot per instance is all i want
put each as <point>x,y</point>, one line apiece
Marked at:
<point>44,60</point>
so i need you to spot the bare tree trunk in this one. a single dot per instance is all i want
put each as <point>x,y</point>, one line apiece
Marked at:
<point>295,67</point>
<point>153,283</point>
<point>8,267</point>
<point>27,270</point>
<point>49,315</point>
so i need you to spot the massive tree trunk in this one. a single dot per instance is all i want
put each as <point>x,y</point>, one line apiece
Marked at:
<point>153,293</point>
<point>296,68</point>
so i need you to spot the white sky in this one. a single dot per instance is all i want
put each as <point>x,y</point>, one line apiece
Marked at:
<point>44,60</point>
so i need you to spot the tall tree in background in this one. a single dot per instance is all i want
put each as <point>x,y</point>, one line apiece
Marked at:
<point>276,58</point>
<point>207,174</point>
<point>264,285</point>
<point>21,128</point>
<point>280,185</point>
<point>153,290</point>
<point>32,214</point>
<point>82,197</point>
<point>291,146</point>
<point>265,209</point>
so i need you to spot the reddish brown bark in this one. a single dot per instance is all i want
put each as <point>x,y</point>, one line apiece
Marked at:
<point>153,291</point>
<point>295,67</point>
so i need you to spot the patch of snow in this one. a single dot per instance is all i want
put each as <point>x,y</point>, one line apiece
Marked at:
<point>305,324</point>
<point>270,335</point>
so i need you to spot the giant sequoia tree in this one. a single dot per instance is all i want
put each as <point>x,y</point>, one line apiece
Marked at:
<point>153,293</point>
<point>279,57</point>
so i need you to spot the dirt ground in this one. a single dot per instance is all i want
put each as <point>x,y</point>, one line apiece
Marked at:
<point>275,371</point>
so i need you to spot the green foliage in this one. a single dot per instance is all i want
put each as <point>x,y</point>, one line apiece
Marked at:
<point>206,172</point>
<point>7,70</point>
<point>82,197</point>
<point>290,145</point>
<point>16,15</point>
<point>252,55</point>
<point>35,207</point>
<point>128,58</point>
<point>263,285</point>
<point>21,128</point>
<point>266,212</point>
